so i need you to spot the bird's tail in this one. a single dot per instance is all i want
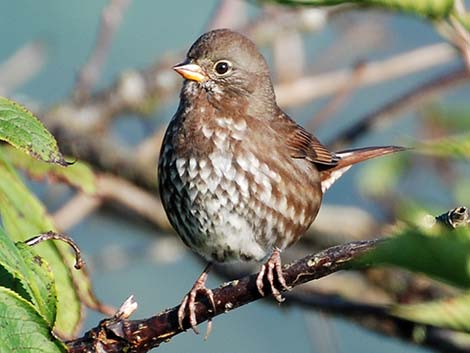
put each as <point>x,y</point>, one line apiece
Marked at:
<point>349,157</point>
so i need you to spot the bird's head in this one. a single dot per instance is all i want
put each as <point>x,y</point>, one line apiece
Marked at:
<point>228,66</point>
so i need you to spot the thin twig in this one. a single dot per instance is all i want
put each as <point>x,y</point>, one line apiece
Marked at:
<point>110,20</point>
<point>462,39</point>
<point>62,237</point>
<point>288,56</point>
<point>113,190</point>
<point>309,88</point>
<point>75,210</point>
<point>407,100</point>
<point>21,67</point>
<point>339,99</point>
<point>224,15</point>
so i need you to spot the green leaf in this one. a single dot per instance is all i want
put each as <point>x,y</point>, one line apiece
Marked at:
<point>451,313</point>
<point>78,174</point>
<point>24,216</point>
<point>438,252</point>
<point>23,130</point>
<point>456,146</point>
<point>30,276</point>
<point>11,268</point>
<point>23,330</point>
<point>427,8</point>
<point>41,281</point>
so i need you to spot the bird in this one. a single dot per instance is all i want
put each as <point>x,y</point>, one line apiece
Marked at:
<point>238,178</point>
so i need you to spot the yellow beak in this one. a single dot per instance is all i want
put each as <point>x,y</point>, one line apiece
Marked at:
<point>191,72</point>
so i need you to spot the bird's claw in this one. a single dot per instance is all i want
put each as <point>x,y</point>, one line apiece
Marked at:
<point>272,271</point>
<point>189,304</point>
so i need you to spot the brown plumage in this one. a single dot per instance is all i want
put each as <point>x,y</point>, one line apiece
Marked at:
<point>239,179</point>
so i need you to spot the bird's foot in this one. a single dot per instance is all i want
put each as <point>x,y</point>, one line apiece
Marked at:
<point>272,271</point>
<point>189,303</point>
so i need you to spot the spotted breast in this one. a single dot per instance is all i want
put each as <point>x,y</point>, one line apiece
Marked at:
<point>230,197</point>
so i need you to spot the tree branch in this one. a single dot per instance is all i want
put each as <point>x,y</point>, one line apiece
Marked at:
<point>118,334</point>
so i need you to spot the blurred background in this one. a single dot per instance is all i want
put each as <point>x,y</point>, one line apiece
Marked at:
<point>333,68</point>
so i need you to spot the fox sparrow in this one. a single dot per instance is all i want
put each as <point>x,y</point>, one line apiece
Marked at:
<point>239,179</point>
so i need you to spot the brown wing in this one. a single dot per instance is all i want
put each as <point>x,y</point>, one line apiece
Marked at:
<point>302,144</point>
<point>332,166</point>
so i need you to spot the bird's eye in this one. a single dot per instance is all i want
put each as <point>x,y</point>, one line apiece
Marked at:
<point>222,67</point>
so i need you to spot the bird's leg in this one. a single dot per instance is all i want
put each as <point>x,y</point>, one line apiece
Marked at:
<point>271,271</point>
<point>189,302</point>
